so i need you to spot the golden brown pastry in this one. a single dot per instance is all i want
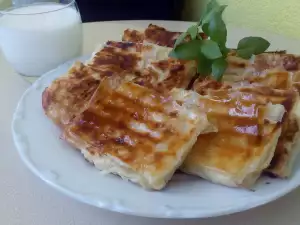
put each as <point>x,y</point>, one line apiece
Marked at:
<point>248,127</point>
<point>145,64</point>
<point>135,132</point>
<point>154,34</point>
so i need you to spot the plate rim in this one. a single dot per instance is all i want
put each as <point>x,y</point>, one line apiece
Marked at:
<point>115,206</point>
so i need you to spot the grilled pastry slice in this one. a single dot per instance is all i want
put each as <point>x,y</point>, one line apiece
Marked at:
<point>164,75</point>
<point>127,56</point>
<point>248,131</point>
<point>204,85</point>
<point>286,150</point>
<point>154,34</point>
<point>263,68</point>
<point>278,60</point>
<point>135,132</point>
<point>69,94</point>
<point>131,35</point>
<point>286,93</point>
<point>144,63</point>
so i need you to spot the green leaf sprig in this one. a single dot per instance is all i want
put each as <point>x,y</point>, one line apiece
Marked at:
<point>211,53</point>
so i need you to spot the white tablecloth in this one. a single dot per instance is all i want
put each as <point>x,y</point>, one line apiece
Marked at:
<point>26,200</point>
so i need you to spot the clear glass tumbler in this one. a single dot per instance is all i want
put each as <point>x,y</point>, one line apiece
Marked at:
<point>39,36</point>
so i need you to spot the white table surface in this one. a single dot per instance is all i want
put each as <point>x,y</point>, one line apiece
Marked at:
<point>26,200</point>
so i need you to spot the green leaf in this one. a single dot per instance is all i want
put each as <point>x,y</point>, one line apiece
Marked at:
<point>257,44</point>
<point>205,28</point>
<point>212,4</point>
<point>224,50</point>
<point>217,29</point>
<point>209,7</point>
<point>188,50</point>
<point>215,11</point>
<point>180,39</point>
<point>210,49</point>
<point>219,66</point>
<point>203,65</point>
<point>211,54</point>
<point>193,31</point>
<point>199,36</point>
<point>245,53</point>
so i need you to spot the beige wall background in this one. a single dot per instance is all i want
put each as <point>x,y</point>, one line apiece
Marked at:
<point>278,16</point>
<point>4,3</point>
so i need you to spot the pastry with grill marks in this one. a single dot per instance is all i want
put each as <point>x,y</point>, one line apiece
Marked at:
<point>152,69</point>
<point>146,64</point>
<point>286,88</point>
<point>164,75</point>
<point>70,93</point>
<point>273,68</point>
<point>126,56</point>
<point>136,132</point>
<point>154,34</point>
<point>248,129</point>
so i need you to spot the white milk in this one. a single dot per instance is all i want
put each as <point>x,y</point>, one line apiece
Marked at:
<point>37,43</point>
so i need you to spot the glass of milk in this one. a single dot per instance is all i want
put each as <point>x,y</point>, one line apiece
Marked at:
<point>39,36</point>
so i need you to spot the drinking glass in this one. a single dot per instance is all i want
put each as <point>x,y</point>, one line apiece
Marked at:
<point>38,36</point>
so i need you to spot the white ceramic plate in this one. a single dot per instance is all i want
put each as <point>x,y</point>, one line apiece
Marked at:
<point>62,167</point>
